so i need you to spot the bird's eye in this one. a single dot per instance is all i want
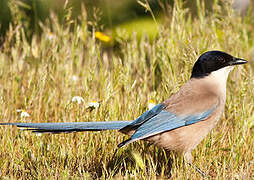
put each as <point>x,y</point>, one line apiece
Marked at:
<point>223,60</point>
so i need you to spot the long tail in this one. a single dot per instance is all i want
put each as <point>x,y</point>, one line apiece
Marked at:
<point>71,126</point>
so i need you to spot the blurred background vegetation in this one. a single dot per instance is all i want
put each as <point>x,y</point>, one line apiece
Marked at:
<point>104,14</point>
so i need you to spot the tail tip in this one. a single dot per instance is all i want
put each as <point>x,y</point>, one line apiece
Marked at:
<point>6,124</point>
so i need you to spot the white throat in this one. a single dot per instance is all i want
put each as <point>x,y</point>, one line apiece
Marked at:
<point>221,75</point>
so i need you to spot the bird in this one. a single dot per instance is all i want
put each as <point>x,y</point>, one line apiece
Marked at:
<point>179,123</point>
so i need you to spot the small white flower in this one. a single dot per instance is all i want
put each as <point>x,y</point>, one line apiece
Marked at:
<point>39,135</point>
<point>78,99</point>
<point>236,176</point>
<point>151,104</point>
<point>74,78</point>
<point>50,36</point>
<point>94,104</point>
<point>23,113</point>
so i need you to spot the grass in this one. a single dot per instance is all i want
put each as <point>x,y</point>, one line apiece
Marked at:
<point>37,76</point>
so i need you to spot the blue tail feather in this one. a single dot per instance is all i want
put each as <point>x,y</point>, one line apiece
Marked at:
<point>70,126</point>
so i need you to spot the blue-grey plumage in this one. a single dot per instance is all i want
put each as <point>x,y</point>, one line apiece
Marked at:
<point>165,121</point>
<point>143,118</point>
<point>179,123</point>
<point>70,126</point>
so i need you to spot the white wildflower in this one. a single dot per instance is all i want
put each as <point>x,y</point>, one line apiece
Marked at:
<point>151,104</point>
<point>39,135</point>
<point>78,99</point>
<point>94,104</point>
<point>23,113</point>
<point>50,36</point>
<point>74,78</point>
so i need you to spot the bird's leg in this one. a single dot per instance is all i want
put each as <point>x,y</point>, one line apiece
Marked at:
<point>202,173</point>
<point>111,162</point>
<point>114,153</point>
<point>188,160</point>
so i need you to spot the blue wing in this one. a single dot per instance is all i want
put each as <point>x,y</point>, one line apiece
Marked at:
<point>144,117</point>
<point>165,121</point>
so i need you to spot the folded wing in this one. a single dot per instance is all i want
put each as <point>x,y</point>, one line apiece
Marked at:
<point>166,121</point>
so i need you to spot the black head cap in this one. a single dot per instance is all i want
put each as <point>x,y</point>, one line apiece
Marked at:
<point>212,61</point>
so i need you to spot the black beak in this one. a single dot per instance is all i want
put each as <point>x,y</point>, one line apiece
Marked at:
<point>237,61</point>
